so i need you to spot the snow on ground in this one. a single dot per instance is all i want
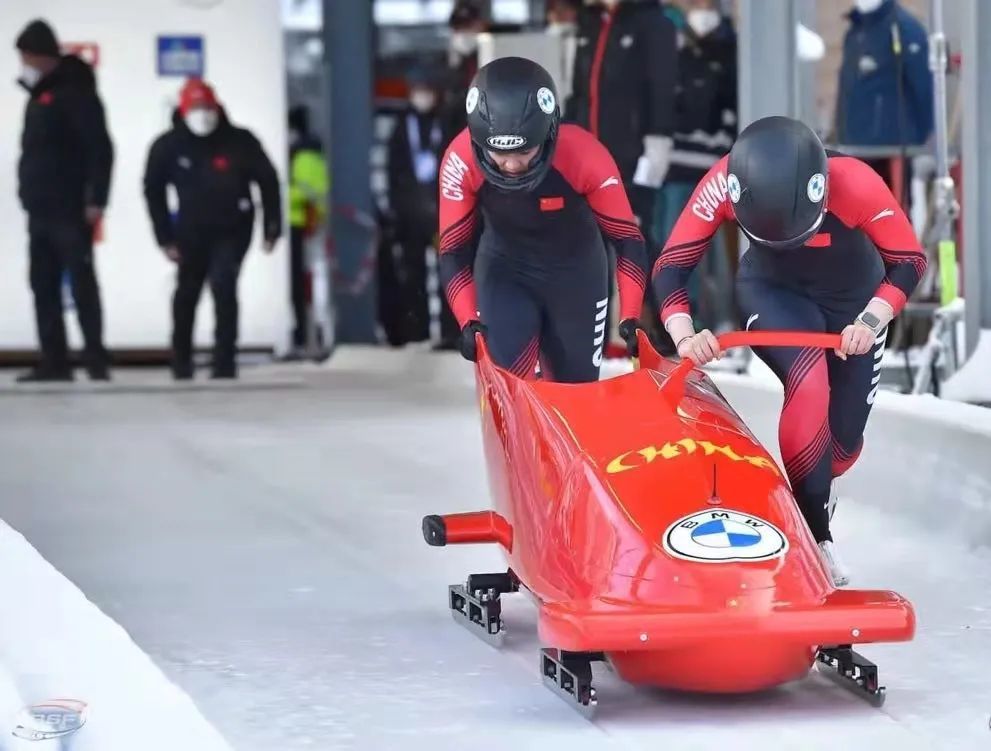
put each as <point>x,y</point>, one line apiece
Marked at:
<point>54,643</point>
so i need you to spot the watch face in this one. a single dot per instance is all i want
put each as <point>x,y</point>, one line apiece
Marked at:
<point>870,319</point>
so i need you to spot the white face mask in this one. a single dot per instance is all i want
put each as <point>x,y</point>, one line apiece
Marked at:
<point>422,101</point>
<point>30,75</point>
<point>703,21</point>
<point>464,42</point>
<point>868,6</point>
<point>562,28</point>
<point>202,122</point>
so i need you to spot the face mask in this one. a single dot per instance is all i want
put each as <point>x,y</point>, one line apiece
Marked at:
<point>30,76</point>
<point>562,28</point>
<point>202,122</point>
<point>868,6</point>
<point>422,101</point>
<point>702,21</point>
<point>464,42</point>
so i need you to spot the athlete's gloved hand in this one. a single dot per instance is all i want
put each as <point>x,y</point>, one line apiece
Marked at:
<point>700,348</point>
<point>469,348</point>
<point>628,328</point>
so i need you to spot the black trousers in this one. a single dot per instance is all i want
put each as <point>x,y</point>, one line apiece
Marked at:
<point>297,283</point>
<point>555,315</point>
<point>215,257</point>
<point>59,244</point>
<point>827,400</point>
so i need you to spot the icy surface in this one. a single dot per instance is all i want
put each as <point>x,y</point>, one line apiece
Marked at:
<point>264,547</point>
<point>55,644</point>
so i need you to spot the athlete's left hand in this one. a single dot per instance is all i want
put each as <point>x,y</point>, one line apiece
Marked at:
<point>628,331</point>
<point>857,339</point>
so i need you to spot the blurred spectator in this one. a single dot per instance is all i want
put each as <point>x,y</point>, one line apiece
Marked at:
<point>623,90</point>
<point>885,94</point>
<point>562,21</point>
<point>705,130</point>
<point>308,185</point>
<point>415,148</point>
<point>466,22</point>
<point>212,165</point>
<point>64,183</point>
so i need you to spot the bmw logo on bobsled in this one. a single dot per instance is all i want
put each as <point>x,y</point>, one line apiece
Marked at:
<point>681,559</point>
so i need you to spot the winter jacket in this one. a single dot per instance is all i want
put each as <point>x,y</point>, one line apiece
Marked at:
<point>626,71</point>
<point>413,199</point>
<point>66,152</point>
<point>212,176</point>
<point>868,111</point>
<point>706,103</point>
<point>309,183</point>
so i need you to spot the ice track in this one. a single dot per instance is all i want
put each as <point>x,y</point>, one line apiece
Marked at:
<point>263,547</point>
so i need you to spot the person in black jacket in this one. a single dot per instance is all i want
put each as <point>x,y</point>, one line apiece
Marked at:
<point>415,149</point>
<point>623,90</point>
<point>212,165</point>
<point>64,183</point>
<point>705,131</point>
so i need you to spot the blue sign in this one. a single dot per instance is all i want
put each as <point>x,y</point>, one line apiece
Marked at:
<point>181,56</point>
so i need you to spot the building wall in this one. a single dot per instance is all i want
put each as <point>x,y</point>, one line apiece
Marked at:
<point>244,60</point>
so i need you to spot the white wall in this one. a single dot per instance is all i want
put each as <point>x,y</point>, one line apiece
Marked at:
<point>244,60</point>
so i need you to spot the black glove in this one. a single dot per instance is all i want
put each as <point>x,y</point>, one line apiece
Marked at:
<point>469,349</point>
<point>628,331</point>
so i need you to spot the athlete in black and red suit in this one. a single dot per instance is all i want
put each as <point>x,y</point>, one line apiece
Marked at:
<point>830,251</point>
<point>524,202</point>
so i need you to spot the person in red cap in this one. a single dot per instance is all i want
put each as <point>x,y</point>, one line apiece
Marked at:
<point>212,165</point>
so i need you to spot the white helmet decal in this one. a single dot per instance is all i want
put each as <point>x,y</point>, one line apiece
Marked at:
<point>471,101</point>
<point>817,187</point>
<point>733,187</point>
<point>546,101</point>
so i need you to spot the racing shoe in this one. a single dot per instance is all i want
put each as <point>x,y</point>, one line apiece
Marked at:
<point>837,569</point>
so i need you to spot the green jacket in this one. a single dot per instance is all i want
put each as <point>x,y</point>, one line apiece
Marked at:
<point>309,182</point>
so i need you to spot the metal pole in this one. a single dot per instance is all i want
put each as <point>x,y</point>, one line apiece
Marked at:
<point>977,169</point>
<point>767,61</point>
<point>348,45</point>
<point>971,382</point>
<point>805,76</point>
<point>946,208</point>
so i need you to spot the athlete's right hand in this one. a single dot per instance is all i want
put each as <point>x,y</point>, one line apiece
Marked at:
<point>469,348</point>
<point>172,253</point>
<point>700,348</point>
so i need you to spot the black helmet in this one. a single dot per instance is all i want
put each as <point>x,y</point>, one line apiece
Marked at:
<point>512,106</point>
<point>777,182</point>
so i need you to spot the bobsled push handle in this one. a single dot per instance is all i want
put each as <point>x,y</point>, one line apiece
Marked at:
<point>674,387</point>
<point>778,339</point>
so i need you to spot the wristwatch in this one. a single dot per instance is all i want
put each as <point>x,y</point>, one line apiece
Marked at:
<point>869,320</point>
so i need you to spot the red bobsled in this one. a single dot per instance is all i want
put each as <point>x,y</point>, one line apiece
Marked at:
<point>657,534</point>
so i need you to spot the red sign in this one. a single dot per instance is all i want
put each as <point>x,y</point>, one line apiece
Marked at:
<point>88,52</point>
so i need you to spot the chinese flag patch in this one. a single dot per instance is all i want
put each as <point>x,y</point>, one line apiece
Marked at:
<point>821,240</point>
<point>552,203</point>
<point>221,163</point>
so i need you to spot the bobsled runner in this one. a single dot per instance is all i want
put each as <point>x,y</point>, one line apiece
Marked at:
<point>657,535</point>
